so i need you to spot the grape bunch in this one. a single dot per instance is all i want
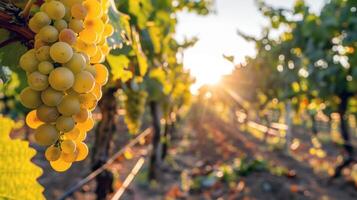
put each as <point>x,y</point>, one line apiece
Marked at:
<point>135,108</point>
<point>64,75</point>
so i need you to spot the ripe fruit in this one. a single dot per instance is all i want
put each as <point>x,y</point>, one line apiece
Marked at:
<point>64,76</point>
<point>46,134</point>
<point>45,67</point>
<point>43,53</point>
<point>55,10</point>
<point>52,153</point>
<point>68,36</point>
<point>61,79</point>
<point>77,63</point>
<point>28,61</point>
<point>47,114</point>
<point>61,52</point>
<point>84,82</point>
<point>37,81</point>
<point>30,98</point>
<point>32,120</point>
<point>68,146</point>
<point>48,34</point>
<point>60,165</point>
<point>69,105</point>
<point>51,97</point>
<point>82,151</point>
<point>65,124</point>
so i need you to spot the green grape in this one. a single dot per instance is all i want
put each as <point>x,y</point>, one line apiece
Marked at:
<point>68,146</point>
<point>28,61</point>
<point>30,98</point>
<point>52,153</point>
<point>46,134</point>
<point>37,81</point>
<point>45,67</point>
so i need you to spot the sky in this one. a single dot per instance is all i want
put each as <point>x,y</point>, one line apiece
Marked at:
<point>217,34</point>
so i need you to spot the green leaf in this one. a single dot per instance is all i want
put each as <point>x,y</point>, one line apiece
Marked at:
<point>121,25</point>
<point>142,61</point>
<point>141,9</point>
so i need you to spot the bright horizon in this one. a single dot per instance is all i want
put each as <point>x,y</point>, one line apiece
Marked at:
<point>217,34</point>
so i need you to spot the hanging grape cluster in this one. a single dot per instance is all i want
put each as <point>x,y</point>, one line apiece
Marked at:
<point>134,107</point>
<point>64,75</point>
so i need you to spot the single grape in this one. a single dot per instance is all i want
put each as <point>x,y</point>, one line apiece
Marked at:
<point>60,24</point>
<point>88,101</point>
<point>102,74</point>
<point>61,52</point>
<point>43,53</point>
<point>69,157</point>
<point>69,105</point>
<point>61,79</point>
<point>46,134</point>
<point>45,67</point>
<point>82,116</point>
<point>52,153</point>
<point>73,134</point>
<point>55,10</point>
<point>78,11</point>
<point>82,151</point>
<point>76,25</point>
<point>51,97</point>
<point>32,120</point>
<point>68,36</point>
<point>68,146</point>
<point>65,124</point>
<point>84,82</point>
<point>28,61</point>
<point>48,34</point>
<point>30,98</point>
<point>77,63</point>
<point>47,113</point>
<point>37,81</point>
<point>60,165</point>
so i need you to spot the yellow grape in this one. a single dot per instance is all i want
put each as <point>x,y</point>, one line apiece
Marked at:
<point>69,105</point>
<point>82,151</point>
<point>73,134</point>
<point>68,36</point>
<point>51,97</point>
<point>82,116</point>
<point>87,125</point>
<point>105,18</point>
<point>94,8</point>
<point>61,52</point>
<point>105,49</point>
<point>55,10</point>
<point>78,11</point>
<point>69,157</point>
<point>52,153</point>
<point>47,113</point>
<point>48,34</point>
<point>88,36</point>
<point>61,79</point>
<point>102,74</point>
<point>68,146</point>
<point>89,49</point>
<point>37,81</point>
<point>28,61</point>
<point>43,53</point>
<point>84,82</point>
<point>82,136</point>
<point>70,3</point>
<point>39,20</point>
<point>32,120</point>
<point>77,63</point>
<point>60,24</point>
<point>39,43</point>
<point>46,134</point>
<point>97,91</point>
<point>91,69</point>
<point>96,25</point>
<point>88,101</point>
<point>30,98</point>
<point>98,57</point>
<point>60,165</point>
<point>108,30</point>
<point>65,124</point>
<point>76,25</point>
<point>45,67</point>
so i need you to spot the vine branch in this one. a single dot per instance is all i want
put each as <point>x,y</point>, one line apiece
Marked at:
<point>10,20</point>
